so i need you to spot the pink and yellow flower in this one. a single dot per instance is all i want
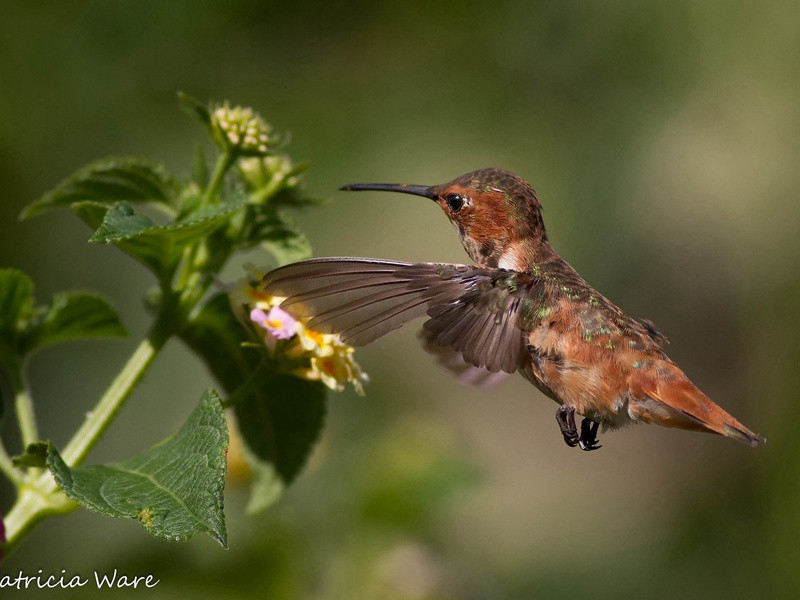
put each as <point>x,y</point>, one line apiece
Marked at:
<point>280,324</point>
<point>321,356</point>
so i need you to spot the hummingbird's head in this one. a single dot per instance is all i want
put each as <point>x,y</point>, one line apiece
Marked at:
<point>493,210</point>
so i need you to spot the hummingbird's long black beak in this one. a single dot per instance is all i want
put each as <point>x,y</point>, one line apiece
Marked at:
<point>403,188</point>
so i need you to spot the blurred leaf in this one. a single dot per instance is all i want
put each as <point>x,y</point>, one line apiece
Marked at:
<point>131,179</point>
<point>16,298</point>
<point>35,455</point>
<point>267,484</point>
<point>74,316</point>
<point>298,169</point>
<point>288,249</point>
<point>293,197</point>
<point>174,489</point>
<point>90,212</point>
<point>216,335</point>
<point>276,235</point>
<point>200,168</point>
<point>280,421</point>
<point>195,108</point>
<point>157,247</point>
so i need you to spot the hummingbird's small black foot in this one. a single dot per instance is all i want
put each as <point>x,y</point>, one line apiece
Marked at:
<point>588,440</point>
<point>565,417</point>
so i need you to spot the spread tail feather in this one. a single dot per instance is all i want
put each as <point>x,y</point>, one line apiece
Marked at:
<point>672,400</point>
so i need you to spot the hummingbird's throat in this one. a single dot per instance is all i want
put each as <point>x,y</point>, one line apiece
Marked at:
<point>486,252</point>
<point>500,252</point>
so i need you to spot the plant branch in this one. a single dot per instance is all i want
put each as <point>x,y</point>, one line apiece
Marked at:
<point>98,420</point>
<point>224,163</point>
<point>23,405</point>
<point>7,467</point>
<point>13,384</point>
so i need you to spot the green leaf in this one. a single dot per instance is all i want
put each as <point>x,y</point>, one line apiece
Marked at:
<point>72,316</point>
<point>267,484</point>
<point>216,335</point>
<point>194,107</point>
<point>35,455</point>
<point>75,316</point>
<point>174,489</point>
<point>280,420</point>
<point>16,298</point>
<point>159,247</point>
<point>277,235</point>
<point>287,246</point>
<point>283,421</point>
<point>295,197</point>
<point>130,179</point>
<point>90,212</point>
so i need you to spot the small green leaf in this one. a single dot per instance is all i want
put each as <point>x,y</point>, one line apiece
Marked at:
<point>194,107</point>
<point>130,179</point>
<point>90,212</point>
<point>174,489</point>
<point>275,233</point>
<point>35,455</point>
<point>281,420</point>
<point>122,222</point>
<point>294,197</point>
<point>157,247</point>
<point>286,246</point>
<point>16,298</point>
<point>75,316</point>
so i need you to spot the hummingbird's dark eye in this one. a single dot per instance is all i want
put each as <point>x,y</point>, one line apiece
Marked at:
<point>455,202</point>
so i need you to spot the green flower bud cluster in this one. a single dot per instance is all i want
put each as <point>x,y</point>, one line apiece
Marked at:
<point>240,128</point>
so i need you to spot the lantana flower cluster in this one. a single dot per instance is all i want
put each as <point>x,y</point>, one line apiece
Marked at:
<point>241,128</point>
<point>323,356</point>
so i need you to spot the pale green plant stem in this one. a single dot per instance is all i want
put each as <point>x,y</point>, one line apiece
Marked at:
<point>14,384</point>
<point>8,468</point>
<point>224,162</point>
<point>98,420</point>
<point>38,499</point>
<point>23,405</point>
<point>26,417</point>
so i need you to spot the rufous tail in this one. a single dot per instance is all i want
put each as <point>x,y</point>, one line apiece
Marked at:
<point>666,397</point>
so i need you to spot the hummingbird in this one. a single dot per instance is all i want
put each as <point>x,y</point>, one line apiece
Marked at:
<point>519,308</point>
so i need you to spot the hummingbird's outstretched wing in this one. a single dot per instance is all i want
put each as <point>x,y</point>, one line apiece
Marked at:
<point>481,313</point>
<point>452,360</point>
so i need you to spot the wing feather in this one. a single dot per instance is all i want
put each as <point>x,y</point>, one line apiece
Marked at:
<point>473,311</point>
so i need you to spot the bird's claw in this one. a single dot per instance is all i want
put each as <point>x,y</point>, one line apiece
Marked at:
<point>565,417</point>
<point>588,438</point>
<point>572,440</point>
<point>589,445</point>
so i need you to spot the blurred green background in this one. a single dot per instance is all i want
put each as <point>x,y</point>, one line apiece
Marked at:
<point>663,139</point>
